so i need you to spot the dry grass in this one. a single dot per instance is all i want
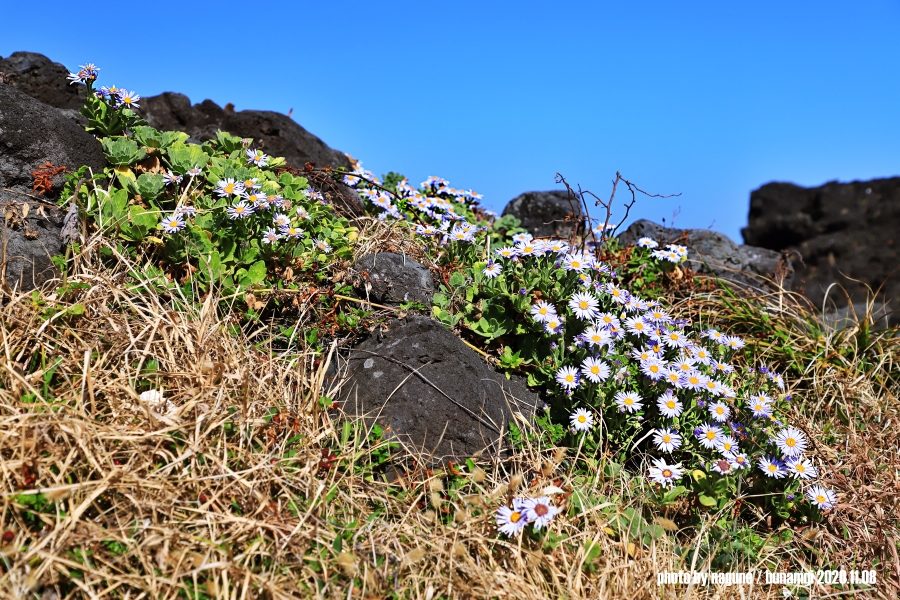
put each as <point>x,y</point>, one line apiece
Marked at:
<point>207,492</point>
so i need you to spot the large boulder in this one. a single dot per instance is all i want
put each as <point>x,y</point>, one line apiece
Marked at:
<point>432,392</point>
<point>847,233</point>
<point>545,214</point>
<point>42,79</point>
<point>391,278</point>
<point>32,133</point>
<point>275,133</point>
<point>29,241</point>
<point>715,253</point>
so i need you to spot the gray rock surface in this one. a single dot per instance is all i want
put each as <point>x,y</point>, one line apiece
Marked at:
<point>29,242</point>
<point>881,316</point>
<point>32,133</point>
<point>847,233</point>
<point>714,252</point>
<point>546,213</point>
<point>44,80</point>
<point>275,133</point>
<point>433,393</point>
<point>390,278</point>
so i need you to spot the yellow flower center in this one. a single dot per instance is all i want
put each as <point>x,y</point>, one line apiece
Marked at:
<point>667,438</point>
<point>583,305</point>
<point>628,401</point>
<point>820,498</point>
<point>800,468</point>
<point>229,188</point>
<point>515,516</point>
<point>720,410</point>
<point>670,404</point>
<point>570,378</point>
<point>710,435</point>
<point>595,370</point>
<point>654,368</point>
<point>791,442</point>
<point>773,468</point>
<point>582,419</point>
<point>666,473</point>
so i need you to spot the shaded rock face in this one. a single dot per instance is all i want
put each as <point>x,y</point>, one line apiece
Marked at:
<point>434,393</point>
<point>713,252</point>
<point>32,133</point>
<point>276,134</point>
<point>389,278</point>
<point>42,79</point>
<point>546,213</point>
<point>29,241</point>
<point>840,229</point>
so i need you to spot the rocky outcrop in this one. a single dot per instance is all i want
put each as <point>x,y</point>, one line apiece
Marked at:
<point>432,392</point>
<point>31,134</point>
<point>42,79</point>
<point>390,278</point>
<point>846,233</point>
<point>546,213</point>
<point>714,252</point>
<point>276,134</point>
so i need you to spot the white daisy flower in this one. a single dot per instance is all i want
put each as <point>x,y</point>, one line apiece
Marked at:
<point>522,238</point>
<point>553,325</point>
<point>646,242</point>
<point>636,325</point>
<point>172,224</point>
<point>665,474</point>
<point>719,411</point>
<point>802,467</point>
<point>630,401</point>
<point>727,445</point>
<point>722,466</point>
<point>567,377</point>
<point>511,521</point>
<point>738,461</point>
<point>492,269</point>
<point>239,210</point>
<point>709,435</point>
<point>791,441</point>
<point>821,497</point>
<point>539,512</point>
<point>542,311</point>
<point>595,370</point>
<point>653,368</point>
<point>596,336</point>
<point>772,467</point>
<point>506,252</point>
<point>584,305</point>
<point>666,439</point>
<point>669,405</point>
<point>581,419</point>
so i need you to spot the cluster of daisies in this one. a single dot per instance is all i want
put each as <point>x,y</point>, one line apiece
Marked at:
<point>672,252</point>
<point>676,367</point>
<point>116,97</point>
<point>434,199</point>
<point>249,198</point>
<point>537,512</point>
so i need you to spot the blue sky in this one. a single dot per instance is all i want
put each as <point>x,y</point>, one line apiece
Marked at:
<point>706,99</point>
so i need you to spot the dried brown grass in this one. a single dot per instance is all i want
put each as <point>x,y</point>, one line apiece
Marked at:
<point>205,492</point>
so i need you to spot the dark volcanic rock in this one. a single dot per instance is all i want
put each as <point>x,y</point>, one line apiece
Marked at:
<point>393,278</point>
<point>275,133</point>
<point>42,79</point>
<point>546,213</point>
<point>30,242</point>
<point>843,231</point>
<point>711,251</point>
<point>434,393</point>
<point>32,133</point>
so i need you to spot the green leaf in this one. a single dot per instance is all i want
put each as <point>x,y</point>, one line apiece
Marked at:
<point>257,272</point>
<point>149,185</point>
<point>706,500</point>
<point>121,151</point>
<point>457,280</point>
<point>182,157</point>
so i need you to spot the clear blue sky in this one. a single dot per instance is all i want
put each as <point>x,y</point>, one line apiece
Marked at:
<point>709,99</point>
